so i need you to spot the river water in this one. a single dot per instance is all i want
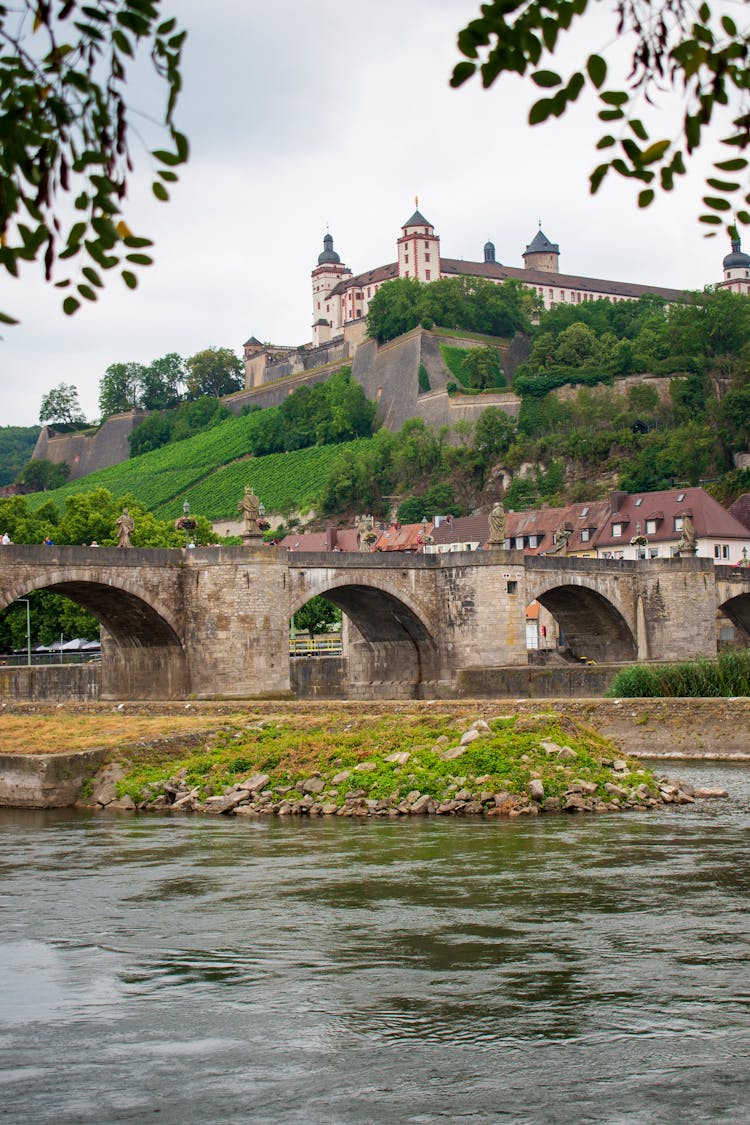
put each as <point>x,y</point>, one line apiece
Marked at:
<point>570,970</point>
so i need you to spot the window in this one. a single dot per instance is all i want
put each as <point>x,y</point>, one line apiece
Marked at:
<point>681,497</point>
<point>653,552</point>
<point>585,534</point>
<point>717,551</point>
<point>519,543</point>
<point>512,587</point>
<point>678,523</point>
<point>427,275</point>
<point>584,512</point>
<point>650,527</point>
<point>638,501</point>
<point>725,551</point>
<point>427,257</point>
<point>533,540</point>
<point>616,530</point>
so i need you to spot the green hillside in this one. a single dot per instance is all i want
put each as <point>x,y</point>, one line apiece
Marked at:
<point>209,470</point>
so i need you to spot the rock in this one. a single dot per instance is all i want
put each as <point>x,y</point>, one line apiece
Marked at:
<point>253,784</point>
<point>104,788</point>
<point>536,790</point>
<point>574,803</point>
<point>399,758</point>
<point>463,795</point>
<point>486,797</point>
<point>413,796</point>
<point>615,790</point>
<point>421,805</point>
<point>125,802</point>
<point>585,786</point>
<point>447,807</point>
<point>223,804</point>
<point>453,753</point>
<point>643,793</point>
<point>620,766</point>
<point>481,725</point>
<point>551,804</point>
<point>567,754</point>
<point>474,808</point>
<point>550,747</point>
<point>339,778</point>
<point>707,792</point>
<point>313,785</point>
<point>470,736</point>
<point>366,767</point>
<point>329,809</point>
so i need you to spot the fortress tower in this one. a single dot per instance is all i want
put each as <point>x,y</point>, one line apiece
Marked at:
<point>541,254</point>
<point>327,312</point>
<point>419,250</point>
<point>736,270</point>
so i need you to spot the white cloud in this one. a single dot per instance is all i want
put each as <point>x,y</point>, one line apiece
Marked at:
<point>302,115</point>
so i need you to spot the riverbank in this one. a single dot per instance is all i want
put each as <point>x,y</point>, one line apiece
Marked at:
<point>290,757</point>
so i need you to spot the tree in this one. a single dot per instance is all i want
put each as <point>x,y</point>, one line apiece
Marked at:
<point>394,309</point>
<point>697,52</point>
<point>42,475</point>
<point>482,367</point>
<point>494,432</point>
<point>120,388</point>
<point>65,135</point>
<point>162,382</point>
<point>317,616</point>
<point>61,405</point>
<point>215,372</point>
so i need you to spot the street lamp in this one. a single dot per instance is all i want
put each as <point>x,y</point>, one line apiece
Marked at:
<point>28,629</point>
<point>186,513</point>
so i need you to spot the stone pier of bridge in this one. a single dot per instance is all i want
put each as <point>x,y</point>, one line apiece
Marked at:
<point>214,622</point>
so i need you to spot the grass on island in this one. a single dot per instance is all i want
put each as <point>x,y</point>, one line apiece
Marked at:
<point>291,748</point>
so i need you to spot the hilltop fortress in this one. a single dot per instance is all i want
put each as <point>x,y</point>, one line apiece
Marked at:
<point>340,299</point>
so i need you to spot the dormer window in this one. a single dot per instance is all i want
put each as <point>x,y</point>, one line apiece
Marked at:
<point>680,497</point>
<point>616,530</point>
<point>638,501</point>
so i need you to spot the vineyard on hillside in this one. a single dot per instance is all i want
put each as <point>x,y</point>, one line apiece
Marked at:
<point>209,470</point>
<point>285,482</point>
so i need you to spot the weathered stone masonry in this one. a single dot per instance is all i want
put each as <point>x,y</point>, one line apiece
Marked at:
<point>214,621</point>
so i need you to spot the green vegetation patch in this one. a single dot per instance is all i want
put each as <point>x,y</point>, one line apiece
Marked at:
<point>505,758</point>
<point>727,676</point>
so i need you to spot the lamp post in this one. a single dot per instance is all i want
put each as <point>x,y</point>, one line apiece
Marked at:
<point>28,629</point>
<point>186,513</point>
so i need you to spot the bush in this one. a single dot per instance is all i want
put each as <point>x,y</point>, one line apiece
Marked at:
<point>729,675</point>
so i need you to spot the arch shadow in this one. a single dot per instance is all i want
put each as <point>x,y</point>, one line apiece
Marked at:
<point>591,626</point>
<point>737,609</point>
<point>143,656</point>
<point>389,649</point>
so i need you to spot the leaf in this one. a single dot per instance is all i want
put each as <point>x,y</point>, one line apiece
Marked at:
<point>87,292</point>
<point>716,203</point>
<point>546,78</point>
<point>606,142</point>
<point>723,185</point>
<point>597,70</point>
<point>123,229</point>
<point>646,197</point>
<point>130,279</point>
<point>461,72</point>
<point>654,152</point>
<point>92,276</point>
<point>639,129</point>
<point>735,165</point>
<point>70,304</point>
<point>139,259</point>
<point>712,219</point>
<point>540,111</point>
<point>614,97</point>
<point>160,191</point>
<point>5,319</point>
<point>597,176</point>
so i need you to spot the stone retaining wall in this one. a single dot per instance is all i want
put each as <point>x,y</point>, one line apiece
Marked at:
<point>50,682</point>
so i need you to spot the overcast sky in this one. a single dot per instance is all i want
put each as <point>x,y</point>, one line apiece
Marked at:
<point>304,115</point>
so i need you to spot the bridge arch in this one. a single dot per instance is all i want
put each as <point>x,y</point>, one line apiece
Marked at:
<point>592,625</point>
<point>737,609</point>
<point>143,654</point>
<point>390,640</point>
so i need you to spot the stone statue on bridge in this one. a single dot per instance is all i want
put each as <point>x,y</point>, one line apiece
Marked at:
<point>562,536</point>
<point>497,525</point>
<point>125,528</point>
<point>365,534</point>
<point>249,506</point>
<point>688,543</point>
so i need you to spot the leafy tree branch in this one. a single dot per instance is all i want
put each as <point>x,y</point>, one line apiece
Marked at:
<point>65,124</point>
<point>700,54</point>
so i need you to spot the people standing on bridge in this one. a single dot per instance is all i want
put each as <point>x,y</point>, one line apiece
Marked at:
<point>125,528</point>
<point>6,540</point>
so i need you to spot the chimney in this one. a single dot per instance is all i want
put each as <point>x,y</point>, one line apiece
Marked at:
<point>616,500</point>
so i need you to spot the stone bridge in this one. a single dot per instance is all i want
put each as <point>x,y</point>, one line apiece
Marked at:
<point>214,621</point>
